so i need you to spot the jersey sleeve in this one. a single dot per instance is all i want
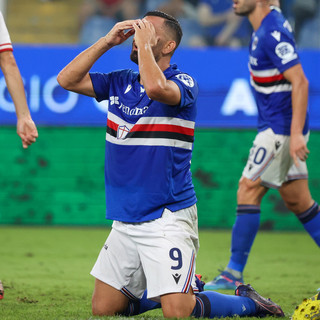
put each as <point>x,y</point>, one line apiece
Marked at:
<point>281,50</point>
<point>5,41</point>
<point>188,88</point>
<point>101,84</point>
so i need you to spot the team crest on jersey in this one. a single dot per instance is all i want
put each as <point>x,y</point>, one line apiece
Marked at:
<point>285,51</point>
<point>254,43</point>
<point>186,79</point>
<point>122,132</point>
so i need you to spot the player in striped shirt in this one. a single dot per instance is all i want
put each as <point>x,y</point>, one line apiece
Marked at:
<point>278,156</point>
<point>26,128</point>
<point>150,130</point>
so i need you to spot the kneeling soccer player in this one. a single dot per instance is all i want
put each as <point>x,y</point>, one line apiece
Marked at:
<point>149,192</point>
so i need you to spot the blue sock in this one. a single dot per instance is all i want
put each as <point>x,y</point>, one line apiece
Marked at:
<point>210,304</point>
<point>243,234</point>
<point>311,222</point>
<point>140,306</point>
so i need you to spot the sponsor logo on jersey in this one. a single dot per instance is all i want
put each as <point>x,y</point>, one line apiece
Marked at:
<point>136,111</point>
<point>129,87</point>
<point>176,277</point>
<point>114,100</point>
<point>276,35</point>
<point>285,51</point>
<point>186,79</point>
<point>253,61</point>
<point>254,43</point>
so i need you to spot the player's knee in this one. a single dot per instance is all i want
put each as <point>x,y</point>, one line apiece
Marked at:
<point>298,205</point>
<point>180,306</point>
<point>293,205</point>
<point>102,308</point>
<point>249,192</point>
<point>177,312</point>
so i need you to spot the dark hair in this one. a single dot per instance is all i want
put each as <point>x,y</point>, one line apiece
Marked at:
<point>170,22</point>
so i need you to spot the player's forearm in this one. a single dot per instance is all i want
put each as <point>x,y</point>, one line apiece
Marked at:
<point>78,68</point>
<point>153,79</point>
<point>16,89</point>
<point>299,106</point>
<point>14,83</point>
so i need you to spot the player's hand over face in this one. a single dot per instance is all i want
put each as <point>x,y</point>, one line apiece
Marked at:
<point>27,131</point>
<point>298,148</point>
<point>145,34</point>
<point>120,32</point>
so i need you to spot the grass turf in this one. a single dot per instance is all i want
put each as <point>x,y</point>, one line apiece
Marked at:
<point>45,271</point>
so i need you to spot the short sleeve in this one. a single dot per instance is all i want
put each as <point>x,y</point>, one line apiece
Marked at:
<point>188,88</point>
<point>281,50</point>
<point>101,84</point>
<point>5,41</point>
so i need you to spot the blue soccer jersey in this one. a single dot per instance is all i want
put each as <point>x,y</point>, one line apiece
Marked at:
<point>273,51</point>
<point>148,146</point>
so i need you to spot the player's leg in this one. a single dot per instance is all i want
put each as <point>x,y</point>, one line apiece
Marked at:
<point>246,226</point>
<point>167,248</point>
<point>297,198</point>
<point>207,304</point>
<point>120,282</point>
<point>252,188</point>
<point>107,301</point>
<point>263,170</point>
<point>210,304</point>
<point>178,305</point>
<point>247,302</point>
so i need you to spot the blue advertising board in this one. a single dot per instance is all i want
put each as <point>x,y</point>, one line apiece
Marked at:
<point>225,98</point>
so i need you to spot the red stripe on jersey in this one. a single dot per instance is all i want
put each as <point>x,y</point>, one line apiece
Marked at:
<point>112,125</point>
<point>267,79</point>
<point>163,127</point>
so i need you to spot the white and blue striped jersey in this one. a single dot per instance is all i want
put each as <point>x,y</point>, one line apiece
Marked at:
<point>148,146</point>
<point>273,51</point>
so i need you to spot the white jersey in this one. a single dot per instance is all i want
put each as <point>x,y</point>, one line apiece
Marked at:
<point>5,41</point>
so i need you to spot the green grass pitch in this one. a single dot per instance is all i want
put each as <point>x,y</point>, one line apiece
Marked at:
<point>45,271</point>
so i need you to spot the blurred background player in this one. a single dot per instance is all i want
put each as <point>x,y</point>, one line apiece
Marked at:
<point>186,11</point>
<point>26,128</point>
<point>220,26</point>
<point>97,16</point>
<point>277,158</point>
<point>151,119</point>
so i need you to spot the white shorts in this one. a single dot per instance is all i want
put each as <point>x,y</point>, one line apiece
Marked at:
<point>270,160</point>
<point>157,255</point>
